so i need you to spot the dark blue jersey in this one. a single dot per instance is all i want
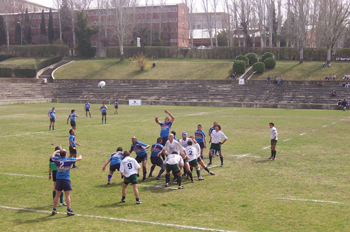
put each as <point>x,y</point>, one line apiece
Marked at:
<point>63,167</point>
<point>138,148</point>
<point>156,148</point>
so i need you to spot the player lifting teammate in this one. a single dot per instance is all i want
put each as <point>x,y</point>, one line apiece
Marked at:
<point>53,169</point>
<point>172,163</point>
<point>199,159</point>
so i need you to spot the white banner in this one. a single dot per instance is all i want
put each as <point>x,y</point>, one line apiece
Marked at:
<point>134,102</point>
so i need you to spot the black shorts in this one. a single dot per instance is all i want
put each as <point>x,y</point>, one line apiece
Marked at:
<point>157,161</point>
<point>112,168</point>
<point>87,109</point>
<point>201,145</point>
<point>63,185</point>
<point>72,151</point>
<point>164,139</point>
<point>52,119</point>
<point>116,107</point>
<point>72,123</point>
<point>54,175</point>
<point>139,159</point>
<point>103,114</point>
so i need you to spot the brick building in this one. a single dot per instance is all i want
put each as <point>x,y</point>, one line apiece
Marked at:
<point>20,6</point>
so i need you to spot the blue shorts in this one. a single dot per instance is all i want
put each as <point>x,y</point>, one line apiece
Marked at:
<point>73,123</point>
<point>52,119</point>
<point>63,185</point>
<point>139,159</point>
<point>116,107</point>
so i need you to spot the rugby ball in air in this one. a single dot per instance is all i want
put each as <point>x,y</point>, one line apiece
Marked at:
<point>101,84</point>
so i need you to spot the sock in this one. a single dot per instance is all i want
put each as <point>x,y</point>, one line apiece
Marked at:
<point>167,178</point>
<point>202,157</point>
<point>86,114</point>
<point>137,199</point>
<point>222,160</point>
<point>61,197</point>
<point>90,115</point>
<point>206,169</point>
<point>105,121</point>
<point>163,157</point>
<point>144,175</point>
<point>109,177</point>
<point>210,158</point>
<point>198,172</point>
<point>191,169</point>
<point>272,153</point>
<point>69,210</point>
<point>160,172</point>
<point>54,194</point>
<point>123,197</point>
<point>102,120</point>
<point>179,179</point>
<point>152,169</point>
<point>190,175</point>
<point>54,209</point>
<point>53,127</point>
<point>49,127</point>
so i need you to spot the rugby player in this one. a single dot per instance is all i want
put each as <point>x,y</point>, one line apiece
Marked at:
<point>115,159</point>
<point>199,160</point>
<point>103,110</point>
<point>52,116</point>
<point>73,145</point>
<point>141,154</point>
<point>172,163</point>
<point>193,156</point>
<point>53,170</point>
<point>165,127</point>
<point>116,106</point>
<point>274,138</point>
<point>216,137</point>
<point>210,130</point>
<point>72,117</point>
<point>155,159</point>
<point>200,138</point>
<point>87,108</point>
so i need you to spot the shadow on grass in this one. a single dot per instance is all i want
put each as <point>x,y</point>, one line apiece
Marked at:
<point>262,161</point>
<point>287,70</point>
<point>103,68</point>
<point>111,185</point>
<point>38,220</point>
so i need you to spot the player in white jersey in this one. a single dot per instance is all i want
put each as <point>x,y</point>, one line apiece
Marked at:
<point>274,138</point>
<point>130,168</point>
<point>216,137</point>
<point>183,141</point>
<point>199,159</point>
<point>193,155</point>
<point>173,162</point>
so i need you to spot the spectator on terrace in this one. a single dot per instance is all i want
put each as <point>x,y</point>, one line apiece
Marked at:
<point>319,82</point>
<point>347,84</point>
<point>233,76</point>
<point>334,77</point>
<point>339,105</point>
<point>344,104</point>
<point>329,65</point>
<point>334,93</point>
<point>343,83</point>
<point>268,80</point>
<point>324,65</point>
<point>276,79</point>
<point>279,81</point>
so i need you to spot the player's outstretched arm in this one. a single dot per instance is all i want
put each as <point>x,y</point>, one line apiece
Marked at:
<point>171,116</point>
<point>79,158</point>
<point>67,119</point>
<point>156,120</point>
<point>145,147</point>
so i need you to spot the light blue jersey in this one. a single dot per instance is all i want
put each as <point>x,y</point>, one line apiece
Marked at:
<point>52,113</point>
<point>72,139</point>
<point>200,135</point>
<point>104,108</point>
<point>138,148</point>
<point>72,116</point>
<point>63,165</point>
<point>116,158</point>
<point>164,129</point>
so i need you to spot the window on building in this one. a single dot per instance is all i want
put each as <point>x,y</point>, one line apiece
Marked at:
<point>183,11</point>
<point>183,31</point>
<point>183,21</point>
<point>183,41</point>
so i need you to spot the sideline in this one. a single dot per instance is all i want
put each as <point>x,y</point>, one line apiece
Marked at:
<point>311,200</point>
<point>119,219</point>
<point>14,174</point>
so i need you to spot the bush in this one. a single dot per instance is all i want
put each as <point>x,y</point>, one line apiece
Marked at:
<point>270,62</point>
<point>47,62</point>
<point>141,62</point>
<point>244,58</point>
<point>25,72</point>
<point>239,66</point>
<point>5,72</point>
<point>259,67</point>
<point>267,55</point>
<point>38,50</point>
<point>253,58</point>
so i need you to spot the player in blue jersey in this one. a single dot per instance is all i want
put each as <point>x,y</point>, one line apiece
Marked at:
<point>115,160</point>
<point>116,105</point>
<point>141,154</point>
<point>87,108</point>
<point>63,165</point>
<point>155,159</point>
<point>53,171</point>
<point>174,133</point>
<point>103,110</point>
<point>52,116</point>
<point>214,152</point>
<point>200,138</point>
<point>165,127</point>
<point>73,145</point>
<point>72,117</point>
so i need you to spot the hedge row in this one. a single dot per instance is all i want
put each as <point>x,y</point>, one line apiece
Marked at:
<point>317,54</point>
<point>18,72</point>
<point>47,62</point>
<point>36,50</point>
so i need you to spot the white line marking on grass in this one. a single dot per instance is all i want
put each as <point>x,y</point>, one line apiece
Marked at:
<point>318,201</point>
<point>302,134</point>
<point>214,166</point>
<point>334,122</point>
<point>202,113</point>
<point>325,126</point>
<point>245,155</point>
<point>14,174</point>
<point>157,186</point>
<point>314,129</point>
<point>286,140</point>
<point>266,147</point>
<point>119,219</point>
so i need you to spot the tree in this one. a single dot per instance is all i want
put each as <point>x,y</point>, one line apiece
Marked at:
<point>28,28</point>
<point>66,22</point>
<point>57,4</point>
<point>18,34</point>
<point>50,29</point>
<point>334,16</point>
<point>42,25</point>
<point>2,31</point>
<point>222,38</point>
<point>205,5</point>
<point>301,10</point>
<point>84,33</point>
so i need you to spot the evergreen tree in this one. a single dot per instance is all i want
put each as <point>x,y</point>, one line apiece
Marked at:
<point>50,29</point>
<point>2,31</point>
<point>84,33</point>
<point>42,25</point>
<point>28,34</point>
<point>66,22</point>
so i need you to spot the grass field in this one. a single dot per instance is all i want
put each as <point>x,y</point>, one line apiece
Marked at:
<point>309,70</point>
<point>19,61</point>
<point>204,69</point>
<point>249,193</point>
